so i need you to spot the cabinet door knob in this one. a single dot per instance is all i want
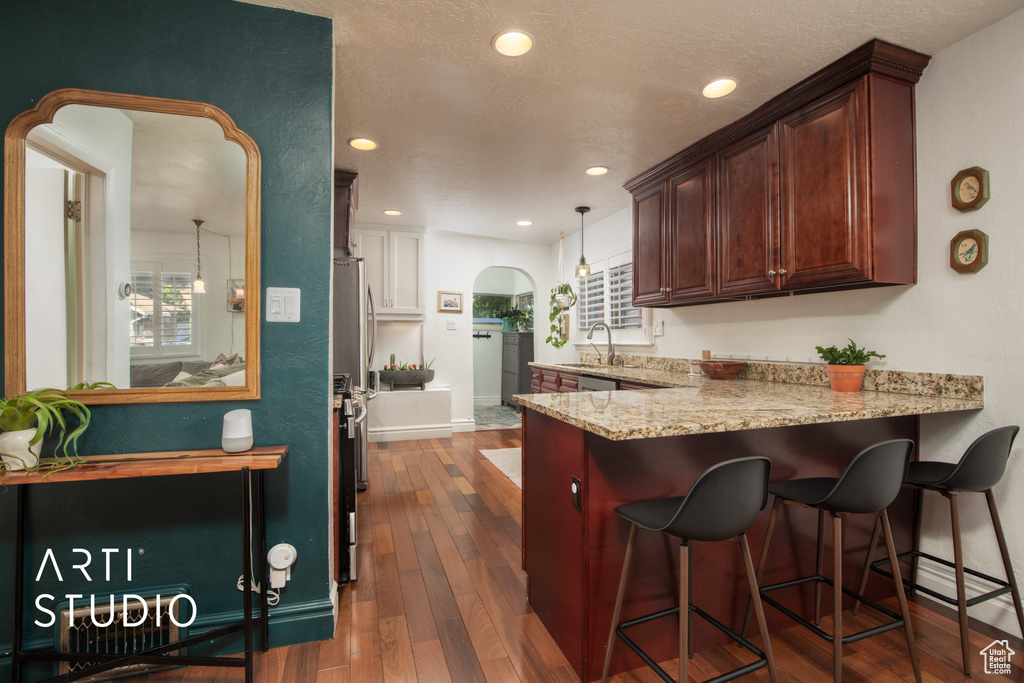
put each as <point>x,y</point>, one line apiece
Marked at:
<point>782,271</point>
<point>771,273</point>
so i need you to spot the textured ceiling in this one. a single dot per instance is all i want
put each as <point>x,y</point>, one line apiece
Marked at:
<point>471,141</point>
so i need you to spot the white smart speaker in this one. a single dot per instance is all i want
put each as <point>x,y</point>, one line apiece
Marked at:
<point>237,434</point>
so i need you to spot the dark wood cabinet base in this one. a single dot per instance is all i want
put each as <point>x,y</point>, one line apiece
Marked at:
<point>574,557</point>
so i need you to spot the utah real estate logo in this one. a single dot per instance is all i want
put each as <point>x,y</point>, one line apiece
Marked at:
<point>997,657</point>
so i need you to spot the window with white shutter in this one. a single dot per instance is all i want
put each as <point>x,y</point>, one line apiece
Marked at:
<point>164,321</point>
<point>606,295</point>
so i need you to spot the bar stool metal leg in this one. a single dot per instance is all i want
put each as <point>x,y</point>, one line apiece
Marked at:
<point>901,596</point>
<point>1005,552</point>
<point>618,601</point>
<point>961,589</point>
<point>818,565</point>
<point>684,611</point>
<point>862,586</point>
<point>761,560</point>
<point>837,596</point>
<point>755,599</point>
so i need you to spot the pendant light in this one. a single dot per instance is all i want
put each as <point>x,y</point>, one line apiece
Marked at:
<point>198,287</point>
<point>583,268</point>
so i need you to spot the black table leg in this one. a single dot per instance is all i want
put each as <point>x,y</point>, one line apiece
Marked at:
<point>247,570</point>
<point>19,566</point>
<point>261,530</point>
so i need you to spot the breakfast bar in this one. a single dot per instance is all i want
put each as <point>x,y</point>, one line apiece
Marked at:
<point>586,453</point>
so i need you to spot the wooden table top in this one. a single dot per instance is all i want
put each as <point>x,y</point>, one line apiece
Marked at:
<point>156,464</point>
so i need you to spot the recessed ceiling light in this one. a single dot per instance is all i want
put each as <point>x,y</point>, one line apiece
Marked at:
<point>392,212</point>
<point>363,143</point>
<point>512,43</point>
<point>719,88</point>
<point>524,223</point>
<point>597,170</point>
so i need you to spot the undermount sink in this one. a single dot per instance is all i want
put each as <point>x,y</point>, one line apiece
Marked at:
<point>586,365</point>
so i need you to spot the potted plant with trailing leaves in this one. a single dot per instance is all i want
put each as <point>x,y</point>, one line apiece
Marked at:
<point>27,418</point>
<point>846,366</point>
<point>562,297</point>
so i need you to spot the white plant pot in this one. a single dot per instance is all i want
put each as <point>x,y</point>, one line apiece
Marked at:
<point>16,453</point>
<point>562,300</point>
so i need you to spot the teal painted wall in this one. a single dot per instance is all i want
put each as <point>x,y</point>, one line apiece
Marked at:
<point>271,71</point>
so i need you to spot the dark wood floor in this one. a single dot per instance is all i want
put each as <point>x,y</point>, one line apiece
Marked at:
<point>441,596</point>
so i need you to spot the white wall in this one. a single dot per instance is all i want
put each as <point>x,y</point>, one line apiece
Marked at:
<point>453,264</point>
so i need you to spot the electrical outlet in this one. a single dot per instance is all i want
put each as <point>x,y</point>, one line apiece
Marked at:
<point>659,328</point>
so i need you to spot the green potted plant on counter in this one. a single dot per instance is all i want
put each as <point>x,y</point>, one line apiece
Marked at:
<point>27,418</point>
<point>846,366</point>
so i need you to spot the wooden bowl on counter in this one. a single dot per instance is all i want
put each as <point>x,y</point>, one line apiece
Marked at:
<point>722,369</point>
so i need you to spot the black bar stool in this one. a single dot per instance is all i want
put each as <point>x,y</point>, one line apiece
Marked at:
<point>980,469</point>
<point>869,484</point>
<point>723,502</point>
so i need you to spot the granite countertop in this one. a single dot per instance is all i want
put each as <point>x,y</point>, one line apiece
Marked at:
<point>697,405</point>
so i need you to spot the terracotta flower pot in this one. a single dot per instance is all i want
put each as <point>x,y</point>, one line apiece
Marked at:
<point>845,377</point>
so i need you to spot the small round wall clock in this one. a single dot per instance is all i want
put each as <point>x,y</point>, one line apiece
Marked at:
<point>968,251</point>
<point>970,189</point>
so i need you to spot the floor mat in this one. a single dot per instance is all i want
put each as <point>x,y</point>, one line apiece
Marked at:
<point>496,417</point>
<point>509,461</point>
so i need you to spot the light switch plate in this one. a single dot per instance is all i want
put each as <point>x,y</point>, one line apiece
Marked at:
<point>451,324</point>
<point>283,304</point>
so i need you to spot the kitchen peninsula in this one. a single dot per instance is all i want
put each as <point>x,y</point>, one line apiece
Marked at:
<point>586,453</point>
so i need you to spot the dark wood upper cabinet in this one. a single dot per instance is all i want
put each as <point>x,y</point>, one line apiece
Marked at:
<point>691,234</point>
<point>813,191</point>
<point>748,227</point>
<point>649,246</point>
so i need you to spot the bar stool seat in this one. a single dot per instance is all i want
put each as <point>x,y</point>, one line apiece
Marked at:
<point>870,482</point>
<point>723,502</point>
<point>979,469</point>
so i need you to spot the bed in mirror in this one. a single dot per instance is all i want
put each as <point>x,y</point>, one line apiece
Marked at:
<point>131,250</point>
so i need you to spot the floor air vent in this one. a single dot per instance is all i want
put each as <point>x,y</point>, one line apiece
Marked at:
<point>110,635</point>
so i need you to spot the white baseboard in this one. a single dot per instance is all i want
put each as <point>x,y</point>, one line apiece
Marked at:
<point>485,401</point>
<point>410,433</point>
<point>997,612</point>
<point>464,425</point>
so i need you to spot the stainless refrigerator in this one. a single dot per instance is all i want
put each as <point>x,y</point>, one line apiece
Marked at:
<point>355,331</point>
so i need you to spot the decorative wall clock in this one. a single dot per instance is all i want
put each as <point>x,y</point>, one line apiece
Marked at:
<point>969,189</point>
<point>968,251</point>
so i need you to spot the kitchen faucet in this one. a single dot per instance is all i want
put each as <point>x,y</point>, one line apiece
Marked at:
<point>611,348</point>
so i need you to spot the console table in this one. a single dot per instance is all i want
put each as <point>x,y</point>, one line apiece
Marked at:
<point>250,465</point>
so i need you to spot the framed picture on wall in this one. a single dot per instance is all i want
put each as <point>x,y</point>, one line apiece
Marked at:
<point>236,296</point>
<point>449,302</point>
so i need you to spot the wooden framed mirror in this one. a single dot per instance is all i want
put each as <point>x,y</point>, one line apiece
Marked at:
<point>119,211</point>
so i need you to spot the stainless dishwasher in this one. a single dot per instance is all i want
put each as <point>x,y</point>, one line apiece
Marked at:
<point>586,383</point>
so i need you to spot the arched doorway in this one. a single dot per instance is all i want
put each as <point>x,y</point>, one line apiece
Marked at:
<point>496,290</point>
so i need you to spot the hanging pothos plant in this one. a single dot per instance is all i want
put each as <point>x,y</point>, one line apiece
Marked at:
<point>562,298</point>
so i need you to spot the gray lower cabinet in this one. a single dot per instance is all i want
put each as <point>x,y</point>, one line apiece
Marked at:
<point>516,356</point>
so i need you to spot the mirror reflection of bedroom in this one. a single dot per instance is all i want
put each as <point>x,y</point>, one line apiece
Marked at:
<point>501,349</point>
<point>135,245</point>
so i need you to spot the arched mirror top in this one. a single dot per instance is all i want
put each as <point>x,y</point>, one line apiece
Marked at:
<point>145,274</point>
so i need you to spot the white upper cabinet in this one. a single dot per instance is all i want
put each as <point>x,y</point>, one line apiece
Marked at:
<point>394,268</point>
